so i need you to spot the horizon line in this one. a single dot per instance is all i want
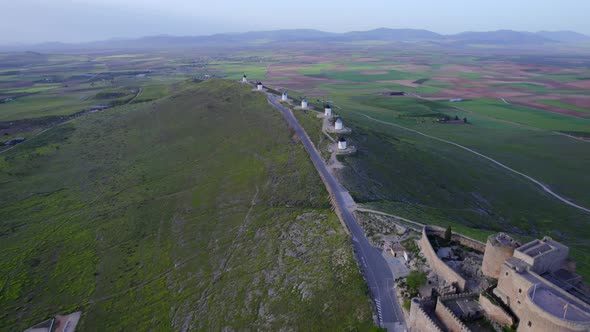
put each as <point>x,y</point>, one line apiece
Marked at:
<point>116,38</point>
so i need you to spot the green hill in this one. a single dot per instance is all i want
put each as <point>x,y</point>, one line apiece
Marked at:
<point>197,211</point>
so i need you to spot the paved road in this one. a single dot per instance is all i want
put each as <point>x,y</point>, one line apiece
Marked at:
<point>375,269</point>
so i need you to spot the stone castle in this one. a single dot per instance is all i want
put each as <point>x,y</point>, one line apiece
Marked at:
<point>537,288</point>
<point>539,284</point>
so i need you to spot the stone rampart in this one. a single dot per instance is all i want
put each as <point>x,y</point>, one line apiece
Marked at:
<point>462,239</point>
<point>419,319</point>
<point>451,321</point>
<point>440,268</point>
<point>494,312</point>
<point>460,296</point>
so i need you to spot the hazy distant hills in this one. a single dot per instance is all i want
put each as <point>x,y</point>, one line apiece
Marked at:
<point>383,34</point>
<point>510,37</point>
<point>500,37</point>
<point>564,36</point>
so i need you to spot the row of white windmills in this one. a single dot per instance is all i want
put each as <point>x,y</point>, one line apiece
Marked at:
<point>338,124</point>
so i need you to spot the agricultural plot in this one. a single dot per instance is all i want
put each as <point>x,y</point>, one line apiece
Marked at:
<point>196,211</point>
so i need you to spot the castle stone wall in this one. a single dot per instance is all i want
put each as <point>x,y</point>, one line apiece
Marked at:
<point>452,322</point>
<point>462,239</point>
<point>495,312</point>
<point>419,320</point>
<point>440,267</point>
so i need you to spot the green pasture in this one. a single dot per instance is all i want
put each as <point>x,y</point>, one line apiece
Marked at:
<point>152,92</point>
<point>539,88</point>
<point>517,145</point>
<point>532,117</point>
<point>35,88</point>
<point>41,105</point>
<point>358,76</point>
<point>378,87</point>
<point>566,106</point>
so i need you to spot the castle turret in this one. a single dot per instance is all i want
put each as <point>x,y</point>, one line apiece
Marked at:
<point>499,248</point>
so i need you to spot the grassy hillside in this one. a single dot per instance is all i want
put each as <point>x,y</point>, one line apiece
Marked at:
<point>197,211</point>
<point>432,182</point>
<point>556,160</point>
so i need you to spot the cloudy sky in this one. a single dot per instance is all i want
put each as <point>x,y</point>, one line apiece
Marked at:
<point>86,20</point>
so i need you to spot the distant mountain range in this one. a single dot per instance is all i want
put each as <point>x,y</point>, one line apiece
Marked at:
<point>500,37</point>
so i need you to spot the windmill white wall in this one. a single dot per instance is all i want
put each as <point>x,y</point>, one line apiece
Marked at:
<point>338,124</point>
<point>328,111</point>
<point>284,97</point>
<point>244,79</point>
<point>342,144</point>
<point>304,103</point>
<point>259,86</point>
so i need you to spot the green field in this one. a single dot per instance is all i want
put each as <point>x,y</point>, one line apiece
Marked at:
<point>541,88</point>
<point>419,178</point>
<point>531,117</point>
<point>565,106</point>
<point>358,76</point>
<point>516,145</point>
<point>197,210</point>
<point>41,105</point>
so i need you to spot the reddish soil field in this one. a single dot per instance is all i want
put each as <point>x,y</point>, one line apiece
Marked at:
<point>367,59</point>
<point>581,84</point>
<point>373,72</point>
<point>554,109</point>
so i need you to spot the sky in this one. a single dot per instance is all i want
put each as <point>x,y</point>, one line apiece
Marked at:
<point>31,21</point>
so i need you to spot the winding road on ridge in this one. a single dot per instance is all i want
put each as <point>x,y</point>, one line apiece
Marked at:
<point>375,269</point>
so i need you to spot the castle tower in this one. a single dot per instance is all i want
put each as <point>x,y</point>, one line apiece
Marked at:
<point>499,248</point>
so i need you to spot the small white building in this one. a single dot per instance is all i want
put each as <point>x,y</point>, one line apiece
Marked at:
<point>259,86</point>
<point>303,103</point>
<point>327,110</point>
<point>284,96</point>
<point>338,124</point>
<point>342,143</point>
<point>244,79</point>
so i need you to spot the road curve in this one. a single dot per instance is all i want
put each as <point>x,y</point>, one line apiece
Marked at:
<point>377,274</point>
<point>533,180</point>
